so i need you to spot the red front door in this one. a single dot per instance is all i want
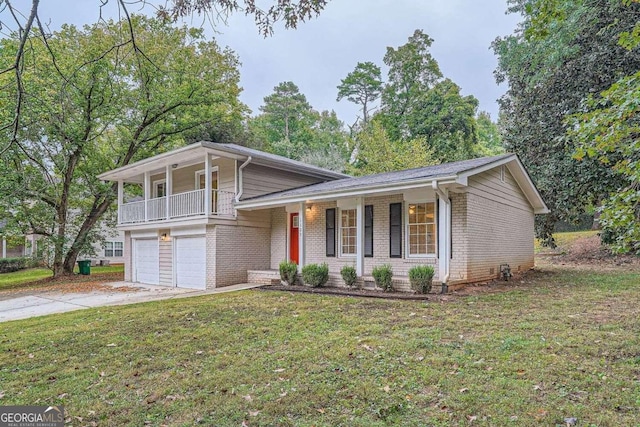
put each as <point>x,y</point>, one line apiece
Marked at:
<point>293,238</point>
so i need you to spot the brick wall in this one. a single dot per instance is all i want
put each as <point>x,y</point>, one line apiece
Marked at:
<point>500,223</point>
<point>278,237</point>
<point>238,249</point>
<point>458,272</point>
<point>315,241</point>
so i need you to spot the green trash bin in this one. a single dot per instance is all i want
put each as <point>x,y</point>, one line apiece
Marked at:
<point>85,267</point>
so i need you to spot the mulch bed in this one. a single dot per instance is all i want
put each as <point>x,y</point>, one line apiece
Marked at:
<point>365,293</point>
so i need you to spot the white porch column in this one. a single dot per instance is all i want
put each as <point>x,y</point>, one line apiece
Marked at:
<point>302,225</point>
<point>146,190</point>
<point>4,247</point>
<point>360,236</point>
<point>120,198</point>
<point>168,187</point>
<point>207,186</point>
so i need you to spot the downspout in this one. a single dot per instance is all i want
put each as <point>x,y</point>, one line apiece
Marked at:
<point>240,182</point>
<point>444,252</point>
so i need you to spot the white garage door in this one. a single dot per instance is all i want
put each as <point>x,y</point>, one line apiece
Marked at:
<point>147,261</point>
<point>191,256</point>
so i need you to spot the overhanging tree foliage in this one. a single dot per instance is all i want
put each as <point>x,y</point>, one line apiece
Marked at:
<point>28,24</point>
<point>563,52</point>
<point>92,102</point>
<point>610,131</point>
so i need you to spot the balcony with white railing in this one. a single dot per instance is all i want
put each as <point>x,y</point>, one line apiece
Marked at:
<point>190,204</point>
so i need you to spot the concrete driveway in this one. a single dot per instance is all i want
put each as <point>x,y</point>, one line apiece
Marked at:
<point>34,303</point>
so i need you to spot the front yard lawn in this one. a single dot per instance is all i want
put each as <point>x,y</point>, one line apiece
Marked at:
<point>562,343</point>
<point>34,277</point>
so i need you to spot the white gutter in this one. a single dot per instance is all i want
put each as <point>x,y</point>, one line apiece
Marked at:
<point>240,182</point>
<point>342,193</point>
<point>445,255</point>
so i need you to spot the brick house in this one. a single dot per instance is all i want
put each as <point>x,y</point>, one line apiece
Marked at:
<point>213,215</point>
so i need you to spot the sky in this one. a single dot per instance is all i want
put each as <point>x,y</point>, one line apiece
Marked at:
<point>322,51</point>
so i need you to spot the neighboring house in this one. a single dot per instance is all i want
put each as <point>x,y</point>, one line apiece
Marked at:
<point>111,250</point>
<point>219,214</point>
<point>7,250</point>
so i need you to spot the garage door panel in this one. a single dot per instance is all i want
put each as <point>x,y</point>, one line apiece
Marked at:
<point>191,255</point>
<point>147,261</point>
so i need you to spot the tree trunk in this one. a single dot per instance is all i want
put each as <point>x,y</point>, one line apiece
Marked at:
<point>97,211</point>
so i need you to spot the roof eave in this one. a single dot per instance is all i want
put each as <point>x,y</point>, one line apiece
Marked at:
<point>343,193</point>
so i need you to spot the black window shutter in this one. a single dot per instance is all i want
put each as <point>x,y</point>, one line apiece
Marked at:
<point>331,232</point>
<point>368,231</point>
<point>395,230</point>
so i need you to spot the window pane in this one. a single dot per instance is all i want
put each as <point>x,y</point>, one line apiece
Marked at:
<point>421,229</point>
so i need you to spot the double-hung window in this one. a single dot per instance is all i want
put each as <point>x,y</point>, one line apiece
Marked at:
<point>421,229</point>
<point>113,249</point>
<point>348,228</point>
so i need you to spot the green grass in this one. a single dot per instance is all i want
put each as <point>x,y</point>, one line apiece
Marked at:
<point>565,343</point>
<point>24,278</point>
<point>565,240</point>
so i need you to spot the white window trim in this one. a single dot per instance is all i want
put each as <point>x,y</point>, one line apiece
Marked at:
<point>201,172</point>
<point>340,253</point>
<point>154,185</point>
<point>113,248</point>
<point>408,255</point>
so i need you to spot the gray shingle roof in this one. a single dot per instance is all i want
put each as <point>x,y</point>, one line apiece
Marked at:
<point>436,171</point>
<point>273,158</point>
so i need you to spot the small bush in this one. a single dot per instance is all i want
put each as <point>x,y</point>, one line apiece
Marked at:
<point>421,278</point>
<point>349,275</point>
<point>288,272</point>
<point>315,275</point>
<point>8,265</point>
<point>383,276</point>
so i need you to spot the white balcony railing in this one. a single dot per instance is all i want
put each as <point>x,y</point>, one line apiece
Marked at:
<point>181,205</point>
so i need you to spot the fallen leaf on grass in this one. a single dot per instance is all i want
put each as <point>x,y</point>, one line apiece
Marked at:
<point>1,394</point>
<point>463,390</point>
<point>254,413</point>
<point>366,347</point>
<point>199,352</point>
<point>247,398</point>
<point>61,396</point>
<point>111,345</point>
<point>472,418</point>
<point>31,356</point>
<point>279,370</point>
<point>151,399</point>
<point>320,410</point>
<point>387,388</point>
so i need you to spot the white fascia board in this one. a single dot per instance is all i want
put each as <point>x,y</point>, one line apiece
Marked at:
<point>332,195</point>
<point>519,173</point>
<point>529,189</point>
<point>463,176</point>
<point>180,155</point>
